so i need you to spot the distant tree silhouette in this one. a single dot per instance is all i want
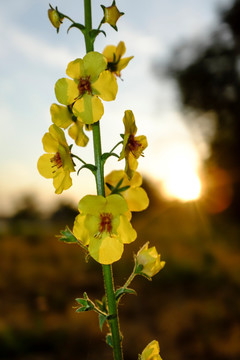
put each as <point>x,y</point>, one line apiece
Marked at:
<point>27,208</point>
<point>210,82</point>
<point>65,213</point>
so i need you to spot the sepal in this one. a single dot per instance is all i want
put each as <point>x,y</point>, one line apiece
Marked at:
<point>67,236</point>
<point>122,291</point>
<point>85,303</point>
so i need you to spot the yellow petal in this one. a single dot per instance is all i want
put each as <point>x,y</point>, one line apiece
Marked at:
<point>105,249</point>
<point>94,64</point>
<point>120,50</point>
<point>106,86</point>
<point>151,351</point>
<point>92,224</point>
<point>44,166</point>
<point>76,133</point>
<point>136,180</point>
<point>66,91</point>
<point>136,198</point>
<point>123,63</point>
<point>109,51</point>
<point>115,204</point>
<point>131,165</point>
<point>129,122</point>
<point>124,149</point>
<point>79,229</point>
<point>61,116</point>
<point>142,140</point>
<point>61,181</point>
<point>88,109</point>
<point>66,158</point>
<point>75,69</point>
<point>58,134</point>
<point>50,144</point>
<point>125,230</point>
<point>92,204</point>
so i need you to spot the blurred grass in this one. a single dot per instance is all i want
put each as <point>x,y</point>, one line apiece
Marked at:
<point>192,306</point>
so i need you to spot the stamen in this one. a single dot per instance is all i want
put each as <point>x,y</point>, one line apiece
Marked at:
<point>84,85</point>
<point>105,223</point>
<point>56,161</point>
<point>134,146</point>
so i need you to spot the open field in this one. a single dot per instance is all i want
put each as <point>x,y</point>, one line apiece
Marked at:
<point>192,307</point>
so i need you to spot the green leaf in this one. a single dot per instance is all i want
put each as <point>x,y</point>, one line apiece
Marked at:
<point>102,319</point>
<point>81,301</point>
<point>109,340</point>
<point>105,156</point>
<point>85,302</point>
<point>67,236</point>
<point>78,26</point>
<point>90,167</point>
<point>122,291</point>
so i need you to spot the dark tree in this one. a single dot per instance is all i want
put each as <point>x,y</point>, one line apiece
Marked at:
<point>210,82</point>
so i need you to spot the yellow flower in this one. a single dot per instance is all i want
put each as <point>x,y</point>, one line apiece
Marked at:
<point>57,163</point>
<point>63,117</point>
<point>114,55</point>
<point>131,190</point>
<point>151,351</point>
<point>55,17</point>
<point>150,261</point>
<point>111,14</point>
<point>90,81</point>
<point>103,227</point>
<point>133,146</point>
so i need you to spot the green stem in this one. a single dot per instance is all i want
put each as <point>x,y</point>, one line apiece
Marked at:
<point>107,269</point>
<point>130,279</point>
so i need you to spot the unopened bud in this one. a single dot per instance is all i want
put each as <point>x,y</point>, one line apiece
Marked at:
<point>149,261</point>
<point>55,17</point>
<point>111,14</point>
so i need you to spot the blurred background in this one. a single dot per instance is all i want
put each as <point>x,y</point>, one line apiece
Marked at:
<point>183,87</point>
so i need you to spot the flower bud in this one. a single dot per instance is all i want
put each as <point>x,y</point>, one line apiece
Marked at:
<point>55,17</point>
<point>148,261</point>
<point>111,14</point>
<point>151,352</point>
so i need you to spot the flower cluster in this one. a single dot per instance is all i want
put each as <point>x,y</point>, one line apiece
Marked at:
<point>103,225</point>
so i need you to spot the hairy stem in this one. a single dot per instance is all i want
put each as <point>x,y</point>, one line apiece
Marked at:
<point>107,269</point>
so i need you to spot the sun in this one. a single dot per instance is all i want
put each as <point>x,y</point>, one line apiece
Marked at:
<point>180,175</point>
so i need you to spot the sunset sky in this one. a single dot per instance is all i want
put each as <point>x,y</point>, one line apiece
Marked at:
<point>33,57</point>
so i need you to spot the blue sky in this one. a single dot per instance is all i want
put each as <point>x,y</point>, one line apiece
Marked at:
<point>33,57</point>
